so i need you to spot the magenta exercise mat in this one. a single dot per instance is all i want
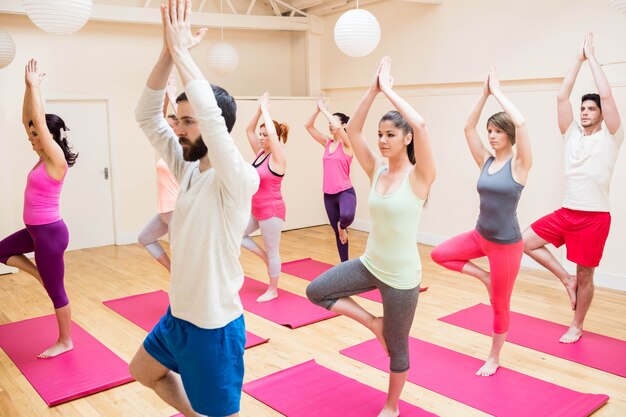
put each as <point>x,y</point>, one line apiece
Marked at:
<point>506,394</point>
<point>288,309</point>
<point>145,310</point>
<point>312,390</point>
<point>310,269</point>
<point>89,368</point>
<point>593,350</point>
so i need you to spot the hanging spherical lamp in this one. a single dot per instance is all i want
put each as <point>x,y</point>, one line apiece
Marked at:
<point>357,33</point>
<point>222,58</point>
<point>59,17</point>
<point>7,49</point>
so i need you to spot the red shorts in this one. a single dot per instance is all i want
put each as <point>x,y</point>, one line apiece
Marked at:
<point>583,232</point>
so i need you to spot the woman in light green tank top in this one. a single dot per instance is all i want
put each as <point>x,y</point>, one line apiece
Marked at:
<point>401,179</point>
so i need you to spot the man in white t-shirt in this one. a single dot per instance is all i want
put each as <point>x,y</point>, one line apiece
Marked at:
<point>193,358</point>
<point>583,222</point>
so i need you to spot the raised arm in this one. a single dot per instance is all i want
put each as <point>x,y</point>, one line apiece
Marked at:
<point>322,105</point>
<point>33,99</point>
<point>609,107</point>
<point>424,170</point>
<point>239,178</point>
<point>310,126</point>
<point>253,139</point>
<point>276,149</point>
<point>368,160</point>
<point>170,95</point>
<point>523,157</point>
<point>563,105</point>
<point>150,117</point>
<point>479,151</point>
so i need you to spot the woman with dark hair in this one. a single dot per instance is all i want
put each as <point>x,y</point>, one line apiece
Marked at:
<point>268,206</point>
<point>401,181</point>
<point>497,234</point>
<point>339,195</point>
<point>45,234</point>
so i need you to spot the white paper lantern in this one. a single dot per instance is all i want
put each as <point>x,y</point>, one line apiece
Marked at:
<point>620,4</point>
<point>7,49</point>
<point>357,33</point>
<point>222,58</point>
<point>59,17</point>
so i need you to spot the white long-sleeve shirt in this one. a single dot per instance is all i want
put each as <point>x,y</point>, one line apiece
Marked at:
<point>211,212</point>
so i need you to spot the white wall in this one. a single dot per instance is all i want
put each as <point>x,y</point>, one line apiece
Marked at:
<point>114,60</point>
<point>441,55</point>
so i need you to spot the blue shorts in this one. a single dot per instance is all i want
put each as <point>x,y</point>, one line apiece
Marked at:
<point>209,361</point>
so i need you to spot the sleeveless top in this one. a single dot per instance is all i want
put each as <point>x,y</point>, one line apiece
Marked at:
<point>391,253</point>
<point>499,195</point>
<point>336,169</point>
<point>167,188</point>
<point>41,197</point>
<point>268,201</point>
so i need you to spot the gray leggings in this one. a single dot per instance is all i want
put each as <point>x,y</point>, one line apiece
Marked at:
<point>351,278</point>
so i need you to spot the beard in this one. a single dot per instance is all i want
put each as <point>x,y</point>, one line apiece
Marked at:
<point>194,150</point>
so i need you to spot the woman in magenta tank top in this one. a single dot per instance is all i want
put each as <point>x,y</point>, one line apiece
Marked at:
<point>268,206</point>
<point>339,195</point>
<point>45,233</point>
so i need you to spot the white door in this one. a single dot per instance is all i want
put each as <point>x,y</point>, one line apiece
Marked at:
<point>86,200</point>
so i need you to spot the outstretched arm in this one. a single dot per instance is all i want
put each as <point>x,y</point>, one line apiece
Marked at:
<point>479,151</point>
<point>563,106</point>
<point>609,108</point>
<point>170,95</point>
<point>424,169</point>
<point>37,111</point>
<point>367,159</point>
<point>310,127</point>
<point>277,151</point>
<point>524,157</point>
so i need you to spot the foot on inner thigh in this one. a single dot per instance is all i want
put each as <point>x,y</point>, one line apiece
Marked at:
<point>343,234</point>
<point>377,329</point>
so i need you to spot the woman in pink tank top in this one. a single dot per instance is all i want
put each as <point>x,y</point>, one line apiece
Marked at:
<point>45,233</point>
<point>167,192</point>
<point>268,206</point>
<point>339,195</point>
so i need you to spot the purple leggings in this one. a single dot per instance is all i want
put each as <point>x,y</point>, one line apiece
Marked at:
<point>49,242</point>
<point>340,208</point>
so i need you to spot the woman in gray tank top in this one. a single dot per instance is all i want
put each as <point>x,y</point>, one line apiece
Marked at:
<point>497,233</point>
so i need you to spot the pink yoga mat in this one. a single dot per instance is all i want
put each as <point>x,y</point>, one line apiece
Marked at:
<point>145,310</point>
<point>288,309</point>
<point>505,394</point>
<point>310,269</point>
<point>89,368</point>
<point>594,350</point>
<point>311,390</point>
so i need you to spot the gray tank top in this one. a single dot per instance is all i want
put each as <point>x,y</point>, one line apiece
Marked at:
<point>499,195</point>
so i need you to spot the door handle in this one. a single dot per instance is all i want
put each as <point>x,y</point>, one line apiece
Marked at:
<point>106,173</point>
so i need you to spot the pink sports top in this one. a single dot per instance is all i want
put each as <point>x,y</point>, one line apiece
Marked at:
<point>167,188</point>
<point>41,197</point>
<point>336,169</point>
<point>268,201</point>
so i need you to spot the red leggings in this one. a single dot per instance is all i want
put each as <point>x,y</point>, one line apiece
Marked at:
<point>504,264</point>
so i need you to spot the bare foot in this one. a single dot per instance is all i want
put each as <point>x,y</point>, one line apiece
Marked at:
<point>571,286</point>
<point>389,412</point>
<point>486,279</point>
<point>572,335</point>
<point>377,329</point>
<point>489,368</point>
<point>343,234</point>
<point>56,349</point>
<point>270,294</point>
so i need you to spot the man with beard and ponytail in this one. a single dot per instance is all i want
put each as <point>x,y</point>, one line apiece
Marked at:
<point>193,358</point>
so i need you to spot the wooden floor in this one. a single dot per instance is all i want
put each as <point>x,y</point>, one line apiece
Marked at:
<point>99,274</point>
